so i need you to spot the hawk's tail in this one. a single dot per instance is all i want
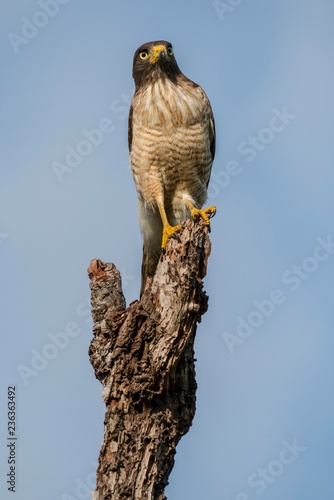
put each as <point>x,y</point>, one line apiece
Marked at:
<point>149,264</point>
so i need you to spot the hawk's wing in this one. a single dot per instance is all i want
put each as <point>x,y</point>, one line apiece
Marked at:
<point>213,136</point>
<point>130,127</point>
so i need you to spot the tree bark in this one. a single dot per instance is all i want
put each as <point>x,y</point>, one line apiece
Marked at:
<point>144,357</point>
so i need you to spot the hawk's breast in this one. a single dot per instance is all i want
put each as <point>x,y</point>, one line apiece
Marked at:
<point>171,141</point>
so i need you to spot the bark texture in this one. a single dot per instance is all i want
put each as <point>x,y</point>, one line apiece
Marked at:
<point>144,357</point>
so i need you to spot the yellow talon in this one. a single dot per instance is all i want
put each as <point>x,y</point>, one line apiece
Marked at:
<point>205,213</point>
<point>168,232</point>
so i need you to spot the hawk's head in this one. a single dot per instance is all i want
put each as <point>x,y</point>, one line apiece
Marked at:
<point>154,60</point>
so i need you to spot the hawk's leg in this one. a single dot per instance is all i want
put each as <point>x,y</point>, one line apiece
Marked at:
<point>168,230</point>
<point>205,213</point>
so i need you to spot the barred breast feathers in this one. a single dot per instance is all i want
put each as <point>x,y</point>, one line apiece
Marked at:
<point>163,103</point>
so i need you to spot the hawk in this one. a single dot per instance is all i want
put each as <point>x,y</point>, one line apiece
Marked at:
<point>172,147</point>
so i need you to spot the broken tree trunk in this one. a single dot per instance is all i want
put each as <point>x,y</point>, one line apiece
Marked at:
<point>144,357</point>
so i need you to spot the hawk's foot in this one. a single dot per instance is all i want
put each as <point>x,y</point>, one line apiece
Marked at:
<point>205,213</point>
<point>168,232</point>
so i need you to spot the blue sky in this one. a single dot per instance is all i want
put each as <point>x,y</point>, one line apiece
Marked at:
<point>264,348</point>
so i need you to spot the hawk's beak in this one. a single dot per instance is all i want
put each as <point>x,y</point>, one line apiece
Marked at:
<point>158,52</point>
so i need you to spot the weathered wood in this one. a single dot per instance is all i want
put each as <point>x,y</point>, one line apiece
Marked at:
<point>144,357</point>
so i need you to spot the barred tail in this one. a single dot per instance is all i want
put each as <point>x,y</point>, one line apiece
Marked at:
<point>149,264</point>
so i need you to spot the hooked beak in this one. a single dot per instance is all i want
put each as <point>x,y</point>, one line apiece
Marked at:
<point>159,52</point>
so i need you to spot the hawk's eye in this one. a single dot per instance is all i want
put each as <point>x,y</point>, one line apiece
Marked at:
<point>169,51</point>
<point>143,55</point>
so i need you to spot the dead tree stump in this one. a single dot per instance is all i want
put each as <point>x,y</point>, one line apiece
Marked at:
<point>144,357</point>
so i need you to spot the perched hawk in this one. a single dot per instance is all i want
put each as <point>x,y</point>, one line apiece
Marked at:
<point>172,146</point>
